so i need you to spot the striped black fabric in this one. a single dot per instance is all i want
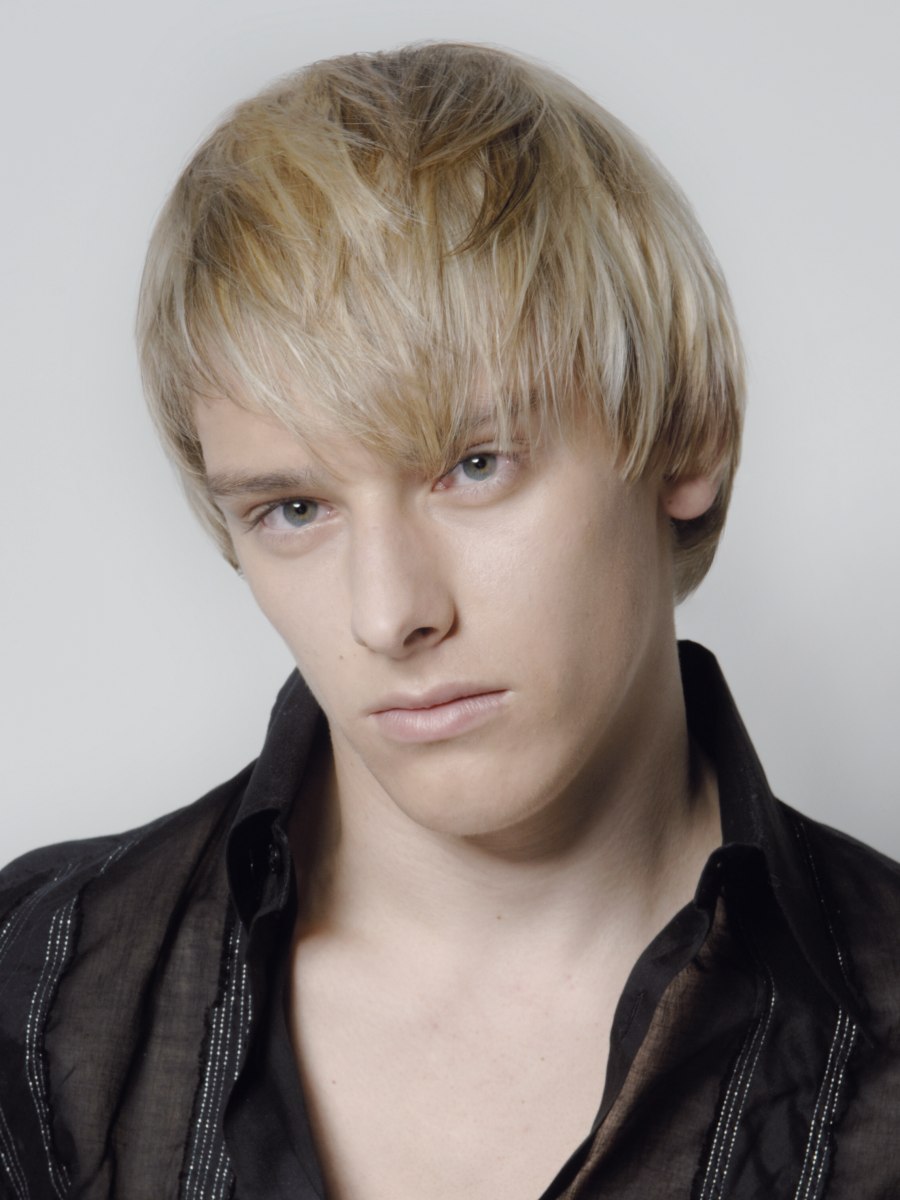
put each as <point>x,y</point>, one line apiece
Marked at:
<point>754,1051</point>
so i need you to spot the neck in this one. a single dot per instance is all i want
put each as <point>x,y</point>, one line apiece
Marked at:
<point>610,859</point>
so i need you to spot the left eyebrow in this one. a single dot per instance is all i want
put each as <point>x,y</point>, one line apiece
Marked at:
<point>484,420</point>
<point>224,484</point>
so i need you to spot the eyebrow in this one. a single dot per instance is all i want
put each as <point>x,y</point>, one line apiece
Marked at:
<point>222,484</point>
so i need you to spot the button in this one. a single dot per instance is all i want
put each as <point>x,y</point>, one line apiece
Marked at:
<point>275,858</point>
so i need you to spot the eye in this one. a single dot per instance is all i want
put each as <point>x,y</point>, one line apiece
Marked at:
<point>483,475</point>
<point>289,514</point>
<point>479,467</point>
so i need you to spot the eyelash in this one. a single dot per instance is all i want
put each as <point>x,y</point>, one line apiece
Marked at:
<point>255,520</point>
<point>510,460</point>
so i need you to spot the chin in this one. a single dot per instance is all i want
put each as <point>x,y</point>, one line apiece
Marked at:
<point>497,810</point>
<point>450,811</point>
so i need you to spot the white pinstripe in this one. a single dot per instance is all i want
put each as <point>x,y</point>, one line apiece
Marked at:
<point>59,941</point>
<point>208,1175</point>
<point>733,1103</point>
<point>56,955</point>
<point>814,1158</point>
<point>9,1160</point>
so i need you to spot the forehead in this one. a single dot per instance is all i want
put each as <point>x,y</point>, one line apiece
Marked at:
<point>243,447</point>
<point>233,433</point>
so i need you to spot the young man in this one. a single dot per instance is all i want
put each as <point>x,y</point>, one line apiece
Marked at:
<point>505,908</point>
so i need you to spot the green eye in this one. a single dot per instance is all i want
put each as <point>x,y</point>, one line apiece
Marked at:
<point>479,466</point>
<point>299,512</point>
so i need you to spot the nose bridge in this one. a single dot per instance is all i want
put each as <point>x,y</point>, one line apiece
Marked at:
<point>401,598</point>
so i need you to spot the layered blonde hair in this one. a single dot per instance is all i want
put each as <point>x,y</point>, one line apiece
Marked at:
<point>376,242</point>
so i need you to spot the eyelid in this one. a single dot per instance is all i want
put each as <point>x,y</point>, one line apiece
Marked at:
<point>487,445</point>
<point>509,461</point>
<point>254,518</point>
<point>511,456</point>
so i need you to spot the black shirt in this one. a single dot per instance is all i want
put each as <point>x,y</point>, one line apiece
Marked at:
<point>144,1054</point>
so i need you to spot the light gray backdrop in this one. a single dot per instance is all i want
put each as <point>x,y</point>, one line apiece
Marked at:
<point>135,673</point>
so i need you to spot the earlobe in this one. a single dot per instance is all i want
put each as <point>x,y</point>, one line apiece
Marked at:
<point>687,499</point>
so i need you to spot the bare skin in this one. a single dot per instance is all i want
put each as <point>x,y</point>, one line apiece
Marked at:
<point>451,1028</point>
<point>478,891</point>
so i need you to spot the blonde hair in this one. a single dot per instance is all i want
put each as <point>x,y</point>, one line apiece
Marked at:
<point>391,235</point>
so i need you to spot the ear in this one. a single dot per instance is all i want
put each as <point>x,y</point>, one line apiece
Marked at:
<point>687,499</point>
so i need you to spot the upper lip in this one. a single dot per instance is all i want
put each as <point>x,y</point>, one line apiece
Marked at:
<point>443,693</point>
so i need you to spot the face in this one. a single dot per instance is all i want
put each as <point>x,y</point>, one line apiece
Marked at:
<point>485,645</point>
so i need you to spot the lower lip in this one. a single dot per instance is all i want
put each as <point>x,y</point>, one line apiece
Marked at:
<point>440,722</point>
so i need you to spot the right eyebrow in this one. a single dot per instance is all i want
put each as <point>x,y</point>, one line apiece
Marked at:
<point>224,484</point>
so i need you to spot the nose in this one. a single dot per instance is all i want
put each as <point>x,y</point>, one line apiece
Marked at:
<point>401,599</point>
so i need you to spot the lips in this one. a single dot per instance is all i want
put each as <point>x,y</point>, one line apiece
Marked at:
<point>438,714</point>
<point>444,693</point>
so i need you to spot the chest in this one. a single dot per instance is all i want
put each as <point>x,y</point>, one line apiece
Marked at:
<point>445,1096</point>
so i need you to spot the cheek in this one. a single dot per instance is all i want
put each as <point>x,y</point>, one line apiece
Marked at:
<point>305,615</point>
<point>593,596</point>
<point>597,558</point>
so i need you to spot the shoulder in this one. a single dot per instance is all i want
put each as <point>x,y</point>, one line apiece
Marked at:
<point>858,889</point>
<point>50,877</point>
<point>861,881</point>
<point>111,960</point>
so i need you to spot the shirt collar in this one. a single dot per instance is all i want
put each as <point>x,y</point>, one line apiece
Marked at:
<point>259,857</point>
<point>753,819</point>
<point>258,854</point>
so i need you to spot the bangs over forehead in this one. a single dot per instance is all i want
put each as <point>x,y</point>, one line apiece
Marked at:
<point>381,243</point>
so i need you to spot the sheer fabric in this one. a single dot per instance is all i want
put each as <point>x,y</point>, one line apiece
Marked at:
<point>753,1054</point>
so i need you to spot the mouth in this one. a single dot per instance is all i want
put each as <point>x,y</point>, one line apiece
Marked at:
<point>438,714</point>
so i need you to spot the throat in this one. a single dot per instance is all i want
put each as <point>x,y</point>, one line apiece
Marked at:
<point>422,1081</point>
<point>435,986</point>
<point>619,882</point>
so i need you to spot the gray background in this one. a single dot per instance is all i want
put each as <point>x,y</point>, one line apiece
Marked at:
<point>135,673</point>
